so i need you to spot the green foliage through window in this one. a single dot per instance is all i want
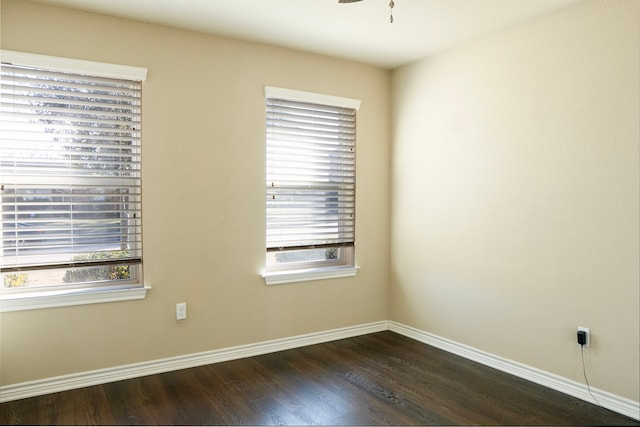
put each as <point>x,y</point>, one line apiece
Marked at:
<point>16,280</point>
<point>106,272</point>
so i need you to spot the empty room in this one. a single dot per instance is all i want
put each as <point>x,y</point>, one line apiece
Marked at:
<point>372,212</point>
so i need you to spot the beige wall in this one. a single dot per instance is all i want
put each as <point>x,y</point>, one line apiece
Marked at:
<point>514,196</point>
<point>203,198</point>
<point>515,189</point>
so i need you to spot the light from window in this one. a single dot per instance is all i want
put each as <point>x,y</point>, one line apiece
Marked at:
<point>310,181</point>
<point>70,179</point>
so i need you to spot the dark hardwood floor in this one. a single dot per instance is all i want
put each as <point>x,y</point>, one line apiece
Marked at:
<point>376,379</point>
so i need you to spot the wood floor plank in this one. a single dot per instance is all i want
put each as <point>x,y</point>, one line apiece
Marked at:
<point>376,379</point>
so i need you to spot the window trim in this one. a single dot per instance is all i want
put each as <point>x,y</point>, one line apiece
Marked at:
<point>306,275</point>
<point>61,298</point>
<point>77,66</point>
<point>316,98</point>
<point>309,272</point>
<point>46,297</point>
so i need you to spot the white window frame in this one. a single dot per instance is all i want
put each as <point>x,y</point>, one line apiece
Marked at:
<point>17,299</point>
<point>344,265</point>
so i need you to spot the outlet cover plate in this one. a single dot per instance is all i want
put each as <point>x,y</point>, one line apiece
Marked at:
<point>181,311</point>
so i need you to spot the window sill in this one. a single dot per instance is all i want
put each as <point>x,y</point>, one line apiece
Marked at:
<point>276,278</point>
<point>50,299</point>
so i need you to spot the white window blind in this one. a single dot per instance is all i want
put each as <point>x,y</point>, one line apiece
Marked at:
<point>311,179</point>
<point>70,170</point>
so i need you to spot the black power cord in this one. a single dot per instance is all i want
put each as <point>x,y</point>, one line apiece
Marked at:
<point>584,372</point>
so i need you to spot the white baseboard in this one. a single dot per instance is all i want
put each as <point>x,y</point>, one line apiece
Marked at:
<point>607,400</point>
<point>117,373</point>
<point>102,376</point>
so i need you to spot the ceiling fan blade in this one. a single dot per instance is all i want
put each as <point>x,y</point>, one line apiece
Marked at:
<point>348,1</point>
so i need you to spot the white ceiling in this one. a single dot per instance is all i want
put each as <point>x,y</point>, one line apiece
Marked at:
<point>360,31</point>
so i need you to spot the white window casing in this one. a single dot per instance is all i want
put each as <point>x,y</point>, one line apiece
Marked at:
<point>310,185</point>
<point>70,177</point>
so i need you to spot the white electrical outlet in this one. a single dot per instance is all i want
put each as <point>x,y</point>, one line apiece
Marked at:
<point>587,334</point>
<point>181,311</point>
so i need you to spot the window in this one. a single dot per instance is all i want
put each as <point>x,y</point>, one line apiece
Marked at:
<point>69,176</point>
<point>310,185</point>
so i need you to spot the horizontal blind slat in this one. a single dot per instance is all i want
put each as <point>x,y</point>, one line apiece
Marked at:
<point>42,74</point>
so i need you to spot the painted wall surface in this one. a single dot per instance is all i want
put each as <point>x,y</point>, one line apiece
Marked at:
<point>513,199</point>
<point>203,198</point>
<point>515,193</point>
